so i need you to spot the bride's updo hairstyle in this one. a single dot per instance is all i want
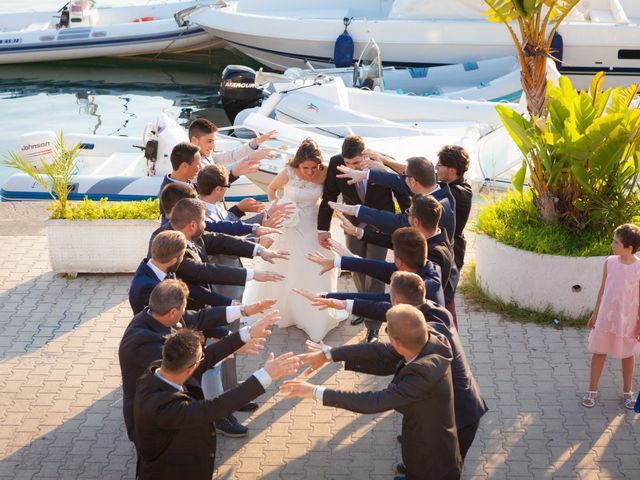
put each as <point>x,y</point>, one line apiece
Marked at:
<point>308,150</point>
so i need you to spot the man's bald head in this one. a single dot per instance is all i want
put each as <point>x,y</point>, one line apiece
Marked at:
<point>406,325</point>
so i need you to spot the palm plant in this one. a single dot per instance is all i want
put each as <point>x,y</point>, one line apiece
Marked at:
<point>55,177</point>
<point>537,22</point>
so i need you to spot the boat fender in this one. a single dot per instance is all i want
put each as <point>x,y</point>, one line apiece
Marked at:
<point>144,19</point>
<point>343,49</point>
<point>556,50</point>
<point>37,147</point>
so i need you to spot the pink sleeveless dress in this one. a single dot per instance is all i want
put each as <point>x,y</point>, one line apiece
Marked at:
<point>617,322</point>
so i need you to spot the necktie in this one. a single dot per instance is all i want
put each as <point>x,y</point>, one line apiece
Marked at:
<point>361,188</point>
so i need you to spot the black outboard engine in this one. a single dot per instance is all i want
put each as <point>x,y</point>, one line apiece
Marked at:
<point>238,90</point>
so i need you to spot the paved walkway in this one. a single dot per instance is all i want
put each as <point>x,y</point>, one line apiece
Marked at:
<point>61,400</point>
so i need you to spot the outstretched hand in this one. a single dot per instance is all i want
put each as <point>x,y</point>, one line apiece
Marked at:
<point>346,225</point>
<point>296,389</point>
<point>325,263</point>
<point>344,208</point>
<point>251,205</point>
<point>352,175</point>
<point>261,327</point>
<point>340,249</point>
<point>253,347</point>
<point>259,306</point>
<point>267,276</point>
<point>264,137</point>
<point>285,364</point>
<point>269,255</point>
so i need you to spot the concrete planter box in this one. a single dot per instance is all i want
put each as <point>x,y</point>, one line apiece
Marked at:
<point>567,285</point>
<point>98,246</point>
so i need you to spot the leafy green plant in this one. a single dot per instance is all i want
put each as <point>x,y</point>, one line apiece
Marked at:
<point>537,22</point>
<point>513,220</point>
<point>585,153</point>
<point>89,210</point>
<point>55,177</point>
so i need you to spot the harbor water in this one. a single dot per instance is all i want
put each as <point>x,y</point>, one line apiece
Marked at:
<point>106,96</point>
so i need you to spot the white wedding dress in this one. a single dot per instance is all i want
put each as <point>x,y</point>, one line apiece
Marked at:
<point>299,237</point>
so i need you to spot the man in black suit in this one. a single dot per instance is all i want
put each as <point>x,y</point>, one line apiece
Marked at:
<point>419,178</point>
<point>421,390</point>
<point>365,193</point>
<point>453,162</point>
<point>142,341</point>
<point>408,288</point>
<point>188,217</point>
<point>174,436</point>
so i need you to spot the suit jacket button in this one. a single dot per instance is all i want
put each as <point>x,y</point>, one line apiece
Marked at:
<point>212,455</point>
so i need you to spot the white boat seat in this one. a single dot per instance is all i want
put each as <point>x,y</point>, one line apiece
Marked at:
<point>35,27</point>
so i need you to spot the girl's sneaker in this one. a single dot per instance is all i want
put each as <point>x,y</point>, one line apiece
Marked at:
<point>589,399</point>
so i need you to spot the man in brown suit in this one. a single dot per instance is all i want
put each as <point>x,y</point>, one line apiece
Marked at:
<point>421,390</point>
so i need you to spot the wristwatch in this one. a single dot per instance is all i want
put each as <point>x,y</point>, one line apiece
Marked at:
<point>326,349</point>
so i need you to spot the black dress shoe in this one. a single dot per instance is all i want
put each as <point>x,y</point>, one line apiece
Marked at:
<point>357,320</point>
<point>401,469</point>
<point>249,407</point>
<point>372,336</point>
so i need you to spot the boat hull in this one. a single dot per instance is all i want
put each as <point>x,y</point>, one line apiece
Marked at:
<point>42,41</point>
<point>290,41</point>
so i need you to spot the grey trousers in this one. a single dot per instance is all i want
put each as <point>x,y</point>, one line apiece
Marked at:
<point>365,283</point>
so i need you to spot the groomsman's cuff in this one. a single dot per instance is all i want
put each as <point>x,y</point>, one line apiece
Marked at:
<point>349,306</point>
<point>263,377</point>
<point>357,210</point>
<point>233,313</point>
<point>257,249</point>
<point>249,274</point>
<point>245,334</point>
<point>337,262</point>
<point>318,393</point>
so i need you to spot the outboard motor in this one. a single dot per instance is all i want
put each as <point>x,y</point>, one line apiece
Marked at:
<point>238,90</point>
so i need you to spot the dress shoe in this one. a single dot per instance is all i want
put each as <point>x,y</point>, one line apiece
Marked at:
<point>372,336</point>
<point>357,320</point>
<point>249,407</point>
<point>401,469</point>
<point>231,427</point>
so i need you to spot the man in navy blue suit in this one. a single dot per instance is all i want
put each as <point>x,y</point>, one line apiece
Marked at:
<point>408,288</point>
<point>410,254</point>
<point>419,178</point>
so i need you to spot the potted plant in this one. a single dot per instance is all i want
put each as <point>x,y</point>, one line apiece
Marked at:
<point>88,236</point>
<point>543,248</point>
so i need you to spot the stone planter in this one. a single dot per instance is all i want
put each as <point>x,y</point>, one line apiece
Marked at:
<point>567,285</point>
<point>98,246</point>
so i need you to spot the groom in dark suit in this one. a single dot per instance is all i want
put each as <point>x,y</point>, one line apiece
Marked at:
<point>361,193</point>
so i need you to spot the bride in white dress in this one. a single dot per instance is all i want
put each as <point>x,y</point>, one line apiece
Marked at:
<point>302,180</point>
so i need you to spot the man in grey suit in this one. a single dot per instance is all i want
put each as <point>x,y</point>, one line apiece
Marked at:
<point>421,390</point>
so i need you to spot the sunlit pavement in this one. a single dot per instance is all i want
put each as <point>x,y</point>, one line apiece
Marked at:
<point>61,398</point>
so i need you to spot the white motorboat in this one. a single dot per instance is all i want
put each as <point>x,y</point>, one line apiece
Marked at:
<point>365,112</point>
<point>115,167</point>
<point>494,157</point>
<point>599,34</point>
<point>80,31</point>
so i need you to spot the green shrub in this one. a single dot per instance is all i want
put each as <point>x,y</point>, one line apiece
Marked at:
<point>90,210</point>
<point>514,220</point>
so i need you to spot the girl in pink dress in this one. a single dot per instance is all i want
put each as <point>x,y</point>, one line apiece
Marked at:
<point>615,322</point>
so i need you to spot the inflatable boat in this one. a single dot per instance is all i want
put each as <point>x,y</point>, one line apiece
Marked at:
<point>79,31</point>
<point>117,168</point>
